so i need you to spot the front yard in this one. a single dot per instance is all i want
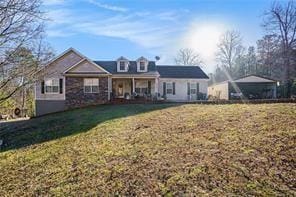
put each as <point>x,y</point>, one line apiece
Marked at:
<point>164,149</point>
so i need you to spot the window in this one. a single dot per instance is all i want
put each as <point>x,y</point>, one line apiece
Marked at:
<point>52,86</point>
<point>141,91</point>
<point>142,66</point>
<point>91,85</point>
<point>193,88</point>
<point>169,88</point>
<point>122,65</point>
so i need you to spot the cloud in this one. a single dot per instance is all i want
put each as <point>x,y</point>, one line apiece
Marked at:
<point>147,30</point>
<point>108,6</point>
<point>161,33</point>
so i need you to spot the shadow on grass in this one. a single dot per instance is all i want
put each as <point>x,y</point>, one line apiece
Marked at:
<point>28,132</point>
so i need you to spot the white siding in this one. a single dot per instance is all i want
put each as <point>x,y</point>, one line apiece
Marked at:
<point>219,90</point>
<point>181,87</point>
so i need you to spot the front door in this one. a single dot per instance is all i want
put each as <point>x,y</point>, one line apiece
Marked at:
<point>120,90</point>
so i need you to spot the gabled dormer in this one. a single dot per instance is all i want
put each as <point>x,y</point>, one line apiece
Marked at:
<point>142,64</point>
<point>122,64</point>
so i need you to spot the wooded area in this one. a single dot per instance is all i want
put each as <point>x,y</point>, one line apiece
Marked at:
<point>23,51</point>
<point>273,56</point>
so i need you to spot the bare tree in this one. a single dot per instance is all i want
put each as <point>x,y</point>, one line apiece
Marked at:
<point>280,20</point>
<point>188,57</point>
<point>229,49</point>
<point>21,44</point>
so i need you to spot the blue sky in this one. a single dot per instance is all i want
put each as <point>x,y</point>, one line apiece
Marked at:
<point>105,30</point>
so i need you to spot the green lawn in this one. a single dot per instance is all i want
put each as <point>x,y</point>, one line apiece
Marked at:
<point>163,149</point>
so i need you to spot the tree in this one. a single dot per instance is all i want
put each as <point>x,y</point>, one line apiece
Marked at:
<point>220,75</point>
<point>251,61</point>
<point>229,49</point>
<point>241,66</point>
<point>21,44</point>
<point>280,20</point>
<point>268,56</point>
<point>188,57</point>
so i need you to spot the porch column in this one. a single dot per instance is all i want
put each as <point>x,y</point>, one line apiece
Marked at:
<point>156,86</point>
<point>133,85</point>
<point>274,92</point>
<point>109,87</point>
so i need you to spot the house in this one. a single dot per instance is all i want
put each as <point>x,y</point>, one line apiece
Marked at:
<point>248,87</point>
<point>72,80</point>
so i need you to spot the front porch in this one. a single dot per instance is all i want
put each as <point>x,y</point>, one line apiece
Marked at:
<point>134,89</point>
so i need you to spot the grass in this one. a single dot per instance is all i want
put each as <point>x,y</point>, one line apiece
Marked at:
<point>146,150</point>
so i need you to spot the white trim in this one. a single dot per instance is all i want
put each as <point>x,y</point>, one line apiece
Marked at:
<point>116,76</point>
<point>91,92</point>
<point>142,58</point>
<point>166,88</point>
<point>64,87</point>
<point>122,58</point>
<point>86,75</point>
<point>186,79</point>
<point>126,64</point>
<point>194,88</point>
<point>74,50</point>
<point>109,88</point>
<point>146,62</point>
<point>61,55</point>
<point>66,52</point>
<point>52,78</point>
<point>89,61</point>
<point>76,64</point>
<point>49,99</point>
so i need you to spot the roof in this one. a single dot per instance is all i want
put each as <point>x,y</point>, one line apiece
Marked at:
<point>191,72</point>
<point>253,78</point>
<point>111,66</point>
<point>249,79</point>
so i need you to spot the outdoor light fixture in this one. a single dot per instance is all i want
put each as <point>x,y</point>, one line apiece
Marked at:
<point>278,83</point>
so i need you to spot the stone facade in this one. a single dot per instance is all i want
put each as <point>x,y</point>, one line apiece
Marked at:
<point>75,96</point>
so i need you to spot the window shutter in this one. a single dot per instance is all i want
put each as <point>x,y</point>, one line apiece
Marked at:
<point>149,87</point>
<point>164,88</point>
<point>42,87</point>
<point>188,88</point>
<point>61,86</point>
<point>174,89</point>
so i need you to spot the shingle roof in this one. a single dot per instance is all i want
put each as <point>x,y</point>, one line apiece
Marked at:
<point>191,72</point>
<point>111,66</point>
<point>165,71</point>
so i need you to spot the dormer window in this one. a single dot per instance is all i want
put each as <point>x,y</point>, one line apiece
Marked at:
<point>142,64</point>
<point>122,66</point>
